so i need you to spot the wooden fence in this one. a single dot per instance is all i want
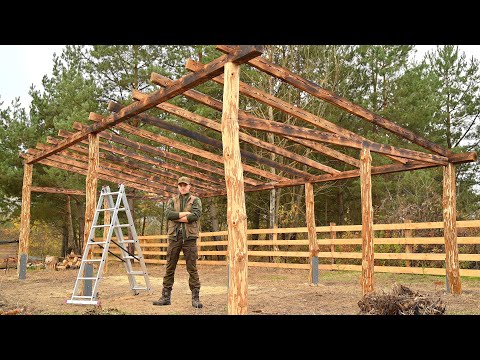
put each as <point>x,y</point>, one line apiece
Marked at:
<point>411,248</point>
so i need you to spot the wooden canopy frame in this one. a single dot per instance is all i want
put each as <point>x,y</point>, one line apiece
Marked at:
<point>154,171</point>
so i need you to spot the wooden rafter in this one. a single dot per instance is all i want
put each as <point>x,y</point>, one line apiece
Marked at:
<point>191,150</point>
<point>317,91</point>
<point>211,124</point>
<point>247,155</point>
<point>290,109</point>
<point>161,176</point>
<point>214,68</point>
<point>144,178</point>
<point>62,166</point>
<point>152,150</point>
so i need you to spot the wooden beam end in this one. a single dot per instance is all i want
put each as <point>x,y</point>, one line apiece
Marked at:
<point>95,117</point>
<point>137,95</point>
<point>463,157</point>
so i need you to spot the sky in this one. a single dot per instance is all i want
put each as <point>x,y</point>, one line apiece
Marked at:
<point>24,65</point>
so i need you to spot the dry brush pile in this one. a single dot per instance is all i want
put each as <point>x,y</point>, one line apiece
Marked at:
<point>400,301</point>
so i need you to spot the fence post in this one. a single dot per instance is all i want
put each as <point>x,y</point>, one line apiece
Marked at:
<point>408,233</point>
<point>333,236</point>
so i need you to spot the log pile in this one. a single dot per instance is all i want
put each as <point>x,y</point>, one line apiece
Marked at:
<point>400,301</point>
<point>72,261</point>
<point>10,262</point>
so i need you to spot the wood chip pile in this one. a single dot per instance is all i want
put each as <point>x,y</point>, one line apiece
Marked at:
<point>400,301</point>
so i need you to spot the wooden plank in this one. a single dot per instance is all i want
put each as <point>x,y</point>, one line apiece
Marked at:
<point>312,234</point>
<point>450,229</point>
<point>204,99</point>
<point>367,221</point>
<point>240,55</point>
<point>317,91</point>
<point>52,190</point>
<point>236,211</point>
<point>24,236</point>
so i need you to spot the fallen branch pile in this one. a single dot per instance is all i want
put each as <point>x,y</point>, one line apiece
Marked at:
<point>400,301</point>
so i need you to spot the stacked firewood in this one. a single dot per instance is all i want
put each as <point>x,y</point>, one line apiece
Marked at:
<point>72,261</point>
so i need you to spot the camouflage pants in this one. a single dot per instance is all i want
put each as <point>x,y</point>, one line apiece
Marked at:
<point>190,253</point>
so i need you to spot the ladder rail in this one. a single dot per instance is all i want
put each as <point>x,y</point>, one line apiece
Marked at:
<point>113,222</point>
<point>136,243</point>
<point>86,251</point>
<point>126,256</point>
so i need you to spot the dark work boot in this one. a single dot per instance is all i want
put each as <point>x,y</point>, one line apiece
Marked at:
<point>196,299</point>
<point>165,299</point>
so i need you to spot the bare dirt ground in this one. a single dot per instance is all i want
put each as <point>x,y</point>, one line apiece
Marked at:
<point>270,292</point>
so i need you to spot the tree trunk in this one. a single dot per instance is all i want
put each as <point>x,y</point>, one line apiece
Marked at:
<point>340,207</point>
<point>214,222</point>
<point>131,246</point>
<point>81,225</point>
<point>70,237</point>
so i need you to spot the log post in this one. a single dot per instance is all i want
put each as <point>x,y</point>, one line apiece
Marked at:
<point>24,222</point>
<point>450,230</point>
<point>236,210</point>
<point>367,221</point>
<point>90,202</point>
<point>312,234</point>
<point>91,184</point>
<point>408,247</point>
<point>333,236</point>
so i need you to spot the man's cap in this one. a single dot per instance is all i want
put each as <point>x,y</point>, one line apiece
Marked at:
<point>184,179</point>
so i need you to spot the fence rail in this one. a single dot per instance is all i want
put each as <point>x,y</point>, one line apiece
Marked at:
<point>400,252</point>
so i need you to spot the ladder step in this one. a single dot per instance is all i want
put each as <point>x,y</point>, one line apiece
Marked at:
<point>96,242</point>
<point>136,273</point>
<point>127,241</point>
<point>110,193</point>
<point>100,226</point>
<point>82,302</point>
<point>90,260</point>
<point>121,225</point>
<point>119,209</point>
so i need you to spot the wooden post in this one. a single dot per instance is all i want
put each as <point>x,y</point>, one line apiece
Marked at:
<point>450,230</point>
<point>367,221</point>
<point>91,185</point>
<point>236,210</point>
<point>408,247</point>
<point>312,234</point>
<point>106,221</point>
<point>333,236</point>
<point>24,221</point>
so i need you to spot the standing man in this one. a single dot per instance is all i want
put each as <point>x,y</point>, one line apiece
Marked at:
<point>183,213</point>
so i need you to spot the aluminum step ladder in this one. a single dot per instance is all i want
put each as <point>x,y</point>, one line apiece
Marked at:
<point>127,258</point>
